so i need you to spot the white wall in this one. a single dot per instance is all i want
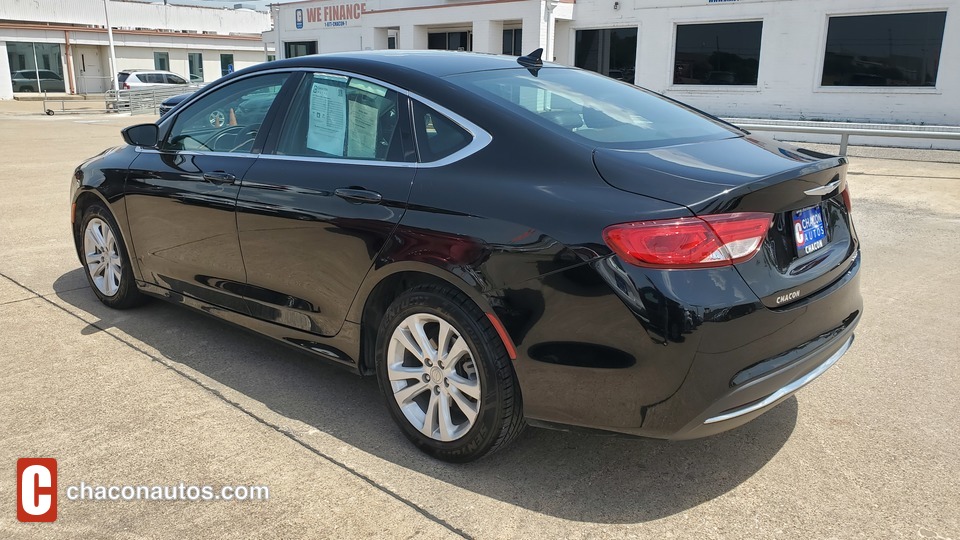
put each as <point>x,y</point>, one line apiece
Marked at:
<point>413,24</point>
<point>6,84</point>
<point>136,15</point>
<point>792,50</point>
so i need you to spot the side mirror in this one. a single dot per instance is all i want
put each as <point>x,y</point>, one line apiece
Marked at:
<point>141,135</point>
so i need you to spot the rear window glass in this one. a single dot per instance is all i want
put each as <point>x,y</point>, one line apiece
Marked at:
<point>122,77</point>
<point>593,107</point>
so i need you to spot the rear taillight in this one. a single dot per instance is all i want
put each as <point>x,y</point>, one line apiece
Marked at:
<point>690,242</point>
<point>846,198</point>
<point>126,86</point>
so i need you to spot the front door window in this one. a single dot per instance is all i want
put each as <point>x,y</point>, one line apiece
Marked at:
<point>228,119</point>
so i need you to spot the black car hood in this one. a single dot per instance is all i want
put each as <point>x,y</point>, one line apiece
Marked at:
<point>701,175</point>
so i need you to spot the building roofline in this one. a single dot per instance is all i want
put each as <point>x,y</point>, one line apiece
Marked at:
<point>102,30</point>
<point>414,8</point>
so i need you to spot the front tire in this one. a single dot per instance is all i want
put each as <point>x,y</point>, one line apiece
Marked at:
<point>105,260</point>
<point>446,376</point>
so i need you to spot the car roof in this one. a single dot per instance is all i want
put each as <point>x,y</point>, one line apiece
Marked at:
<point>430,62</point>
<point>145,71</point>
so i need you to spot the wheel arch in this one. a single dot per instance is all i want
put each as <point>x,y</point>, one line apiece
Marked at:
<point>385,284</point>
<point>84,199</point>
<point>87,196</point>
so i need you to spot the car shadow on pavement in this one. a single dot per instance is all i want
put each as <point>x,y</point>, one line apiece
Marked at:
<point>575,476</point>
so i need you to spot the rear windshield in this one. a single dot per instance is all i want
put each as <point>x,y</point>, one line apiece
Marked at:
<point>122,76</point>
<point>594,107</point>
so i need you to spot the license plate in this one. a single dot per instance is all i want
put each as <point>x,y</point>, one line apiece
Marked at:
<point>808,230</point>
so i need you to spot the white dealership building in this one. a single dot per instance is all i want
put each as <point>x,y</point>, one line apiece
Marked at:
<point>853,60</point>
<point>62,45</point>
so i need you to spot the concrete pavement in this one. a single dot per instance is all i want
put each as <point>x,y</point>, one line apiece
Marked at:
<point>162,395</point>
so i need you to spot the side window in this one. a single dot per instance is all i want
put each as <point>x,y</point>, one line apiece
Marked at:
<point>342,117</point>
<point>227,119</point>
<point>152,78</point>
<point>174,79</point>
<point>437,135</point>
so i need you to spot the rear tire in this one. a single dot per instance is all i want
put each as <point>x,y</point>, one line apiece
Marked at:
<point>105,260</point>
<point>462,401</point>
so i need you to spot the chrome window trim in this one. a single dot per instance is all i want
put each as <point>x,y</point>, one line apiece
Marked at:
<point>339,161</point>
<point>143,150</point>
<point>481,138</point>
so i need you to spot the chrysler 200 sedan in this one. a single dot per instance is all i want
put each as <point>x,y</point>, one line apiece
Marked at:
<point>500,241</point>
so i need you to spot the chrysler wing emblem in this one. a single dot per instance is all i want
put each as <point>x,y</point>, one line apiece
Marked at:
<point>823,190</point>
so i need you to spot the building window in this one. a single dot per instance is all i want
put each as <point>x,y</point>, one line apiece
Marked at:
<point>449,41</point>
<point>161,61</point>
<point>293,49</point>
<point>900,49</point>
<point>35,67</point>
<point>609,51</point>
<point>195,65</point>
<point>226,64</point>
<point>392,42</point>
<point>271,57</point>
<point>725,53</point>
<point>512,41</point>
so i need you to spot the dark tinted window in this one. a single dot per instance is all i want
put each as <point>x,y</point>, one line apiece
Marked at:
<point>884,50</point>
<point>608,51</point>
<point>595,108</point>
<point>161,61</point>
<point>437,135</point>
<point>451,41</point>
<point>726,53</point>
<point>340,117</point>
<point>174,79</point>
<point>122,76</point>
<point>226,64</point>
<point>293,49</point>
<point>227,119</point>
<point>512,42</point>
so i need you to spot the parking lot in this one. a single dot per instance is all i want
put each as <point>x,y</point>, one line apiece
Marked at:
<point>162,395</point>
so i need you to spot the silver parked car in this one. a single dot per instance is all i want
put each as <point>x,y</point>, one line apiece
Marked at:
<point>29,80</point>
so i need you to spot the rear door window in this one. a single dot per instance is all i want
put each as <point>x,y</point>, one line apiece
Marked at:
<point>174,79</point>
<point>336,116</point>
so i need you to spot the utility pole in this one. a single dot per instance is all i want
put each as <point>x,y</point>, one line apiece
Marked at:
<point>113,52</point>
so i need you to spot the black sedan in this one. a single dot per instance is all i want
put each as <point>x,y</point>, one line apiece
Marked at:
<point>499,241</point>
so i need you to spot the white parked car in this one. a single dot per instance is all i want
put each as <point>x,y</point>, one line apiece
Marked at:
<point>138,78</point>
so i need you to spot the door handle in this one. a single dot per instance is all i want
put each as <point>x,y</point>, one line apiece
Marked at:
<point>359,196</point>
<point>219,177</point>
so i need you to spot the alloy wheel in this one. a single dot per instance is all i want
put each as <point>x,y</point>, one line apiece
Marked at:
<point>102,256</point>
<point>433,376</point>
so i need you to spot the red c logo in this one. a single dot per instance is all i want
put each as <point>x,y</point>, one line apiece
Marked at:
<point>37,489</point>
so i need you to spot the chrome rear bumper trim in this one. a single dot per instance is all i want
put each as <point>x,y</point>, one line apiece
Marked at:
<point>786,390</point>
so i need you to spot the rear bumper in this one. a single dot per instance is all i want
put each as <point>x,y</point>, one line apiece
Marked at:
<point>710,356</point>
<point>748,401</point>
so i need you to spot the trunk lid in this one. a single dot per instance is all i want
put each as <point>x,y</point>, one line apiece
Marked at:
<point>747,174</point>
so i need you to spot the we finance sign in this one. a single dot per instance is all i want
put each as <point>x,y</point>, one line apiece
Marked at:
<point>330,15</point>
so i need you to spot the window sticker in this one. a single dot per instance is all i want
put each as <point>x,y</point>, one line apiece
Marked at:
<point>368,87</point>
<point>362,139</point>
<point>328,111</point>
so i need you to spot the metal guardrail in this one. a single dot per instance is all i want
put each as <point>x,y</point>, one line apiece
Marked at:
<point>144,100</point>
<point>939,132</point>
